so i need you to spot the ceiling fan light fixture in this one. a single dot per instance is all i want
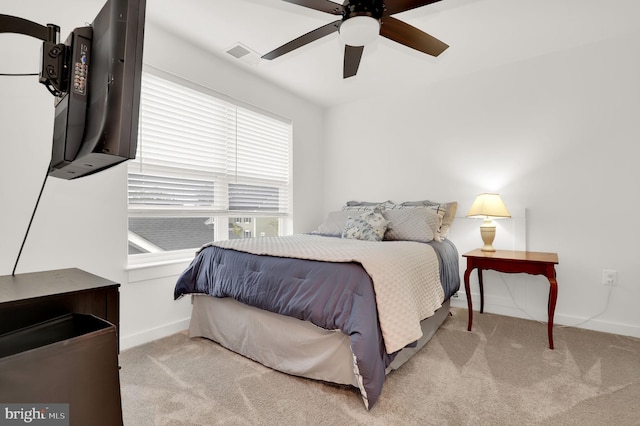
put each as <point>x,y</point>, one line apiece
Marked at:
<point>359,30</point>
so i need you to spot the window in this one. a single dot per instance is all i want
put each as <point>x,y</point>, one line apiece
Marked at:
<point>207,168</point>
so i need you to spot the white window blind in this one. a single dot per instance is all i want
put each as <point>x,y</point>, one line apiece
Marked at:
<point>199,153</point>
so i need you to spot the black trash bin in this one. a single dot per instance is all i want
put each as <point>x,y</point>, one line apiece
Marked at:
<point>71,360</point>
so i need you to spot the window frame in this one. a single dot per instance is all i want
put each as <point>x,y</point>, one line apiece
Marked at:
<point>220,217</point>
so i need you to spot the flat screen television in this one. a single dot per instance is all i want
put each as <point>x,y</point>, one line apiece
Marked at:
<point>96,117</point>
<point>95,77</point>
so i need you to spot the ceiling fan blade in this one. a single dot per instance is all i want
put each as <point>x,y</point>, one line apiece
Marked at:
<point>321,5</point>
<point>403,33</point>
<point>397,6</point>
<point>303,40</point>
<point>352,55</point>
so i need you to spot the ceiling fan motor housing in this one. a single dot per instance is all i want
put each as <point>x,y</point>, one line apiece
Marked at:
<point>361,22</point>
<point>371,8</point>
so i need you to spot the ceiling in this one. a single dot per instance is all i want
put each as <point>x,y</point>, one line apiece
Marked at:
<point>483,34</point>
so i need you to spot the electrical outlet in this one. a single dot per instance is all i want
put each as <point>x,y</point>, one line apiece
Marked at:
<point>609,277</point>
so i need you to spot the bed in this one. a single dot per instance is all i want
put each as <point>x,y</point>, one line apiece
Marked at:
<point>347,303</point>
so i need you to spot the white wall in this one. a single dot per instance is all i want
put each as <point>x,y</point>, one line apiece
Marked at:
<point>83,223</point>
<point>152,287</point>
<point>556,135</point>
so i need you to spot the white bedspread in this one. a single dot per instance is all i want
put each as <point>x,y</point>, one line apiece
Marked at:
<point>405,275</point>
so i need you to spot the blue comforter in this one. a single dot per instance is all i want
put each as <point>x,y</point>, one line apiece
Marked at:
<point>330,295</point>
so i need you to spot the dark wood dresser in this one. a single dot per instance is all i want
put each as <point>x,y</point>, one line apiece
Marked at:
<point>59,346</point>
<point>27,299</point>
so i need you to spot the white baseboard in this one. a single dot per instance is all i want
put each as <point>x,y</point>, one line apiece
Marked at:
<point>559,319</point>
<point>146,336</point>
<point>597,325</point>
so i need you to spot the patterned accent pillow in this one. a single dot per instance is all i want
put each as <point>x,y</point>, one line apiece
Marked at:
<point>412,224</point>
<point>369,226</point>
<point>377,221</point>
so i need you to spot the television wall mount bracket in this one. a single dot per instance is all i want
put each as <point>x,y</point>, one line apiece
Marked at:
<point>54,72</point>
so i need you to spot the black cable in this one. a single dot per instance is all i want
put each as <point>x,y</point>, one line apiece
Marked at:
<point>24,240</point>
<point>49,86</point>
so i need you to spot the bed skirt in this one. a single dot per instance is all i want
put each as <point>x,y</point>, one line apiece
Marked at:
<point>288,344</point>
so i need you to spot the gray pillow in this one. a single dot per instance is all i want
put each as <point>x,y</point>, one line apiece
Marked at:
<point>334,223</point>
<point>364,206</point>
<point>369,203</point>
<point>411,224</point>
<point>447,212</point>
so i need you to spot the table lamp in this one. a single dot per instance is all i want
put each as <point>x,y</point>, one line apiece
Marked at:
<point>488,206</point>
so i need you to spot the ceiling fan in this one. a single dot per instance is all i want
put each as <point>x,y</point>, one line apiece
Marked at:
<point>361,23</point>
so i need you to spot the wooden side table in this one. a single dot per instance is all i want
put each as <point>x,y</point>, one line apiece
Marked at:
<point>535,263</point>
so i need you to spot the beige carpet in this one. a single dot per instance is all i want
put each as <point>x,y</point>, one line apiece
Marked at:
<point>500,373</point>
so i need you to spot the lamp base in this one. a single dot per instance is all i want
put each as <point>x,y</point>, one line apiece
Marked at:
<point>488,234</point>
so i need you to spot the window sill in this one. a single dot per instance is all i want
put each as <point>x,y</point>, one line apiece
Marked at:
<point>155,264</point>
<point>157,268</point>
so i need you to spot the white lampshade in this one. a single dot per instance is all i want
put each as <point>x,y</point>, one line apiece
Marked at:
<point>359,30</point>
<point>488,206</point>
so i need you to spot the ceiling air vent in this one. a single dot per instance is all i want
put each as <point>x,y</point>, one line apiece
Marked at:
<point>244,54</point>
